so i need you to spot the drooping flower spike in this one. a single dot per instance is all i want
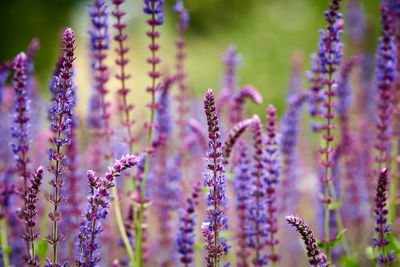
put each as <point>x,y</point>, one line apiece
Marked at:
<point>315,257</point>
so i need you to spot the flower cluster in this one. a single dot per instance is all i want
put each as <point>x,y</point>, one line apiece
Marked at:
<point>382,228</point>
<point>98,204</point>
<point>30,211</point>
<point>186,234</point>
<point>215,180</point>
<point>315,258</point>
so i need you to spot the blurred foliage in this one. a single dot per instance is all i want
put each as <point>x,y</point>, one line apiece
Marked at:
<point>266,33</point>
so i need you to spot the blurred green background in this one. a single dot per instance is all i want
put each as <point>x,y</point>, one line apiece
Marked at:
<point>265,32</point>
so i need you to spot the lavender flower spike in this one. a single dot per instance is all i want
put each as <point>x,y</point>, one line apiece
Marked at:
<point>315,258</point>
<point>382,228</point>
<point>215,179</point>
<point>61,113</point>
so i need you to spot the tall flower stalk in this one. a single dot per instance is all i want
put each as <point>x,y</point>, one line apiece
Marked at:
<point>215,180</point>
<point>327,61</point>
<point>273,165</point>
<point>182,97</point>
<point>155,9</point>
<point>19,128</point>
<point>60,113</point>
<point>386,75</point>
<point>100,44</point>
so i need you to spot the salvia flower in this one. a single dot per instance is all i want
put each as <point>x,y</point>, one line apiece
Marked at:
<point>243,199</point>
<point>180,44</point>
<point>215,180</point>
<point>356,21</point>
<point>386,75</point>
<point>122,61</point>
<point>231,60</point>
<point>183,15</point>
<point>247,91</point>
<point>156,10</point>
<point>383,228</point>
<point>19,128</point>
<point>272,165</point>
<point>99,114</point>
<point>30,211</point>
<point>4,73</point>
<point>98,205</point>
<point>315,258</point>
<point>186,234</point>
<point>289,129</point>
<point>258,228</point>
<point>61,113</point>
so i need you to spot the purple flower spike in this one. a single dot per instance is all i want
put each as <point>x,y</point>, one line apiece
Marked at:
<point>187,222</point>
<point>273,165</point>
<point>386,76</point>
<point>215,180</point>
<point>231,60</point>
<point>183,15</point>
<point>243,194</point>
<point>30,211</point>
<point>61,116</point>
<point>19,128</point>
<point>156,10</point>
<point>315,258</point>
<point>180,44</point>
<point>247,91</point>
<point>382,229</point>
<point>121,38</point>
<point>98,205</point>
<point>99,114</point>
<point>258,228</point>
<point>233,135</point>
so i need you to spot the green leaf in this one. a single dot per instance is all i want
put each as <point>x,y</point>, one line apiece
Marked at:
<point>350,262</point>
<point>332,243</point>
<point>42,249</point>
<point>369,252</point>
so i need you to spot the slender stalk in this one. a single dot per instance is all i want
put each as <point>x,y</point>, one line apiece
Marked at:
<point>4,241</point>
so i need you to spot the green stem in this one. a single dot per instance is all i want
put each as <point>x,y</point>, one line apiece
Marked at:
<point>339,222</point>
<point>4,242</point>
<point>120,223</point>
